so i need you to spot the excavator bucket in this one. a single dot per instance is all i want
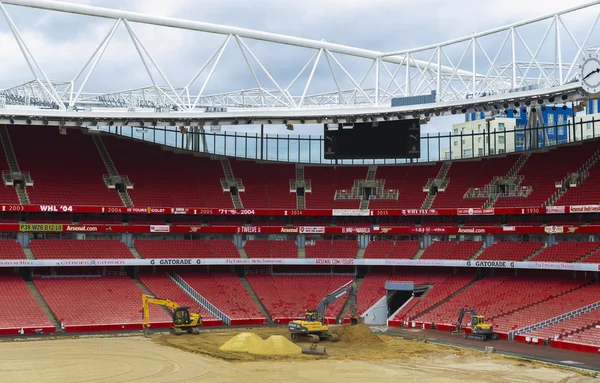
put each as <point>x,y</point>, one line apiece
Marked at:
<point>354,320</point>
<point>314,350</point>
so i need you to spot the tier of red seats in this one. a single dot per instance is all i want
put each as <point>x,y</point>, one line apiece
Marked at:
<point>442,287</point>
<point>493,297</point>
<point>588,192</point>
<point>593,258</point>
<point>164,179</point>
<point>548,309</point>
<point>569,328</point>
<point>509,251</point>
<point>566,252</point>
<point>79,249</point>
<point>173,248</point>
<point>162,286</point>
<point>97,302</point>
<point>463,175</point>
<point>66,169</point>
<point>409,180</point>
<point>279,294</point>
<point>589,336</point>
<point>8,194</point>
<point>271,249</point>
<point>267,186</point>
<point>332,249</point>
<point>20,310</point>
<point>542,170</point>
<point>10,249</point>
<point>391,249</point>
<point>227,293</point>
<point>326,180</point>
<point>451,250</point>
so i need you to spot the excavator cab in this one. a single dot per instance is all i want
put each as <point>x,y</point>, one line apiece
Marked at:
<point>311,315</point>
<point>477,320</point>
<point>181,316</point>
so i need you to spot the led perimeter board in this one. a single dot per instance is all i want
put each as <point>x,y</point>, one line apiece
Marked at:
<point>373,140</point>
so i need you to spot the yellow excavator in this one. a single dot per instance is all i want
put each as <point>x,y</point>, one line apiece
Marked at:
<point>479,329</point>
<point>313,327</point>
<point>183,320</point>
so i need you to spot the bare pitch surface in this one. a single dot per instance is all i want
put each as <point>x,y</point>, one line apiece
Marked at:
<point>150,360</point>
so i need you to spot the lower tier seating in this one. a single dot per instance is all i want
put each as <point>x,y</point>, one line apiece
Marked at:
<point>163,287</point>
<point>227,293</point>
<point>173,248</point>
<point>20,309</point>
<point>494,297</point>
<point>589,336</point>
<point>98,303</point>
<point>569,329</point>
<point>10,249</point>
<point>279,294</point>
<point>79,249</point>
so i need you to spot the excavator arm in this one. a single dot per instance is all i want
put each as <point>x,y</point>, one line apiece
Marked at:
<point>146,299</point>
<point>349,288</point>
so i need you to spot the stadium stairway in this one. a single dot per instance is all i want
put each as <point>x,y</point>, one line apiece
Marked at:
<point>346,308</point>
<point>111,168</point>
<point>300,199</point>
<point>437,304</point>
<point>478,253</point>
<point>43,305</point>
<point>189,290</point>
<point>440,176</point>
<point>242,252</point>
<point>419,253</point>
<point>28,253</point>
<point>256,300</point>
<point>135,253</point>
<point>360,253</point>
<point>230,179</point>
<point>301,253</point>
<point>534,253</point>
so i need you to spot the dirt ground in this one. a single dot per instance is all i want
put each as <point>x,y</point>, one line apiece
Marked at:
<point>166,358</point>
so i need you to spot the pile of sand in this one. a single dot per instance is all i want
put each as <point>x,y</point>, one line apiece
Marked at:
<point>242,342</point>
<point>275,345</point>
<point>356,334</point>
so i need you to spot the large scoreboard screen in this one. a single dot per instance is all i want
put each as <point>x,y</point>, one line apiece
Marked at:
<point>368,140</point>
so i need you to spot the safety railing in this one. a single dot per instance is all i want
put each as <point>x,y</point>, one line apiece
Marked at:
<point>557,319</point>
<point>183,285</point>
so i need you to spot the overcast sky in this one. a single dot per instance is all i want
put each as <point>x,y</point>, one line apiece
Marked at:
<point>62,43</point>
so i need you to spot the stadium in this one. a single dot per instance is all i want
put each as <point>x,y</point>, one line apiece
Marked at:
<point>319,213</point>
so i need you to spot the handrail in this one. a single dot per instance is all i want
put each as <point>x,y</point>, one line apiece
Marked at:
<point>189,290</point>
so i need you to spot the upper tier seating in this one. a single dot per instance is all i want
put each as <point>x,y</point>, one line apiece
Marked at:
<point>409,180</point>
<point>11,249</point>
<point>542,170</point>
<point>66,169</point>
<point>227,293</point>
<point>326,180</point>
<point>587,192</point>
<point>593,258</point>
<point>569,328</point>
<point>271,249</point>
<point>267,186</point>
<point>279,294</point>
<point>165,179</point>
<point>79,249</point>
<point>163,287</point>
<point>20,309</point>
<point>471,174</point>
<point>172,248</point>
<point>451,250</point>
<point>8,194</point>
<point>510,251</point>
<point>389,249</point>
<point>496,296</point>
<point>332,249</point>
<point>89,302</point>
<point>566,252</point>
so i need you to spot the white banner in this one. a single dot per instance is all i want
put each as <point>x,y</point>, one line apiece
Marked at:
<point>296,261</point>
<point>351,212</point>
